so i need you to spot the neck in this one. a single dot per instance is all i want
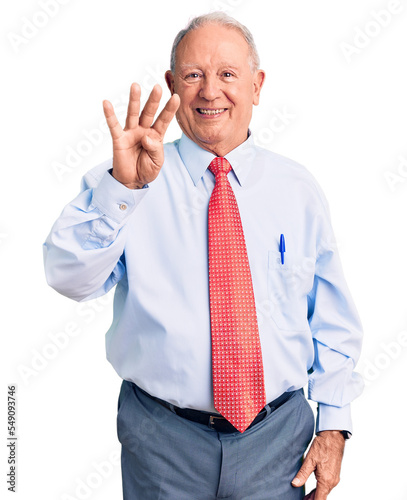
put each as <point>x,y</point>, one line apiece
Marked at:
<point>219,149</point>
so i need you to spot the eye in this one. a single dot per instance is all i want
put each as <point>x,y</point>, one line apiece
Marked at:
<point>192,76</point>
<point>228,75</point>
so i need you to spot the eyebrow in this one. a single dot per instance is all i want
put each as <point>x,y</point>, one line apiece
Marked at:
<point>197,66</point>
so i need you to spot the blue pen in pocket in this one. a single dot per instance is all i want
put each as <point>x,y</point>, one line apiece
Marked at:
<point>282,248</point>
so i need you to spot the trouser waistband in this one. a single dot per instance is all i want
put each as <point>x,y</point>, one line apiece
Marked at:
<point>215,420</point>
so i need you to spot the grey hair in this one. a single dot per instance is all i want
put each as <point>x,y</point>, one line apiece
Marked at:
<point>223,19</point>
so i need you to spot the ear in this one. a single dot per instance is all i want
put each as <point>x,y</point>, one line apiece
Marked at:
<point>258,81</point>
<point>169,78</point>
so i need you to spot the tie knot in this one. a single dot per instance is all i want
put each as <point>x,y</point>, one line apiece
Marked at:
<point>220,164</point>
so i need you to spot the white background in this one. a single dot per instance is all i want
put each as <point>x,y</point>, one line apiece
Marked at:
<point>345,120</point>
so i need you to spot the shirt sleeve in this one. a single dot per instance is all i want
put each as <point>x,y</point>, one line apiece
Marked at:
<point>83,253</point>
<point>337,336</point>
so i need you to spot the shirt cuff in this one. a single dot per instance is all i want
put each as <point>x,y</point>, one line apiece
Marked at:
<point>333,418</point>
<point>115,200</point>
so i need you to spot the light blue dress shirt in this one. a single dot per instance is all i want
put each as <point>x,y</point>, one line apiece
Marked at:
<point>152,243</point>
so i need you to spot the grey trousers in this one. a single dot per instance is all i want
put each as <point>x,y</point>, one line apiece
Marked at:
<point>166,457</point>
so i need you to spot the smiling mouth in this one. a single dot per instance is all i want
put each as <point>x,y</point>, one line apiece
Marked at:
<point>211,112</point>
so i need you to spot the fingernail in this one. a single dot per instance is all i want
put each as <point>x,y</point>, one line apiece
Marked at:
<point>296,482</point>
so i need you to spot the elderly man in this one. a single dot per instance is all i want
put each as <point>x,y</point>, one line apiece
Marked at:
<point>230,295</point>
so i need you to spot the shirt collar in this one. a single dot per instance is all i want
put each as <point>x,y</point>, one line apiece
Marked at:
<point>197,160</point>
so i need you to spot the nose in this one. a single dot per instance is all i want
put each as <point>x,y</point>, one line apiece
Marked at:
<point>210,88</point>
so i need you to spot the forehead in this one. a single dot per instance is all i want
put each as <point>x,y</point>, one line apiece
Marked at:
<point>213,44</point>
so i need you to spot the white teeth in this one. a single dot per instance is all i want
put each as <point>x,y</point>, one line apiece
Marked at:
<point>210,111</point>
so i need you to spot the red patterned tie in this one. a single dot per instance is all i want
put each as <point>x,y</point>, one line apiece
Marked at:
<point>237,365</point>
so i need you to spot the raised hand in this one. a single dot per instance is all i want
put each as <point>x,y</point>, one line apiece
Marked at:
<point>138,151</point>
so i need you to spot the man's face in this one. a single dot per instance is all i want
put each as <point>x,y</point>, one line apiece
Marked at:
<point>216,86</point>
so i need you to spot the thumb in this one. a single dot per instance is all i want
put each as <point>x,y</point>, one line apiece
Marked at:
<point>154,149</point>
<point>303,474</point>
<point>149,144</point>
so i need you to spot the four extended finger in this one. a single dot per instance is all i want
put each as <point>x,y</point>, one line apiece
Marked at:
<point>112,122</point>
<point>151,107</point>
<point>166,115</point>
<point>133,109</point>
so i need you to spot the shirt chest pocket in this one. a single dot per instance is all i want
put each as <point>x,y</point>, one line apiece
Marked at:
<point>288,285</point>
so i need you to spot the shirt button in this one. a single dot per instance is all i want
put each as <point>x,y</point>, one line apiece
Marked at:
<point>123,206</point>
